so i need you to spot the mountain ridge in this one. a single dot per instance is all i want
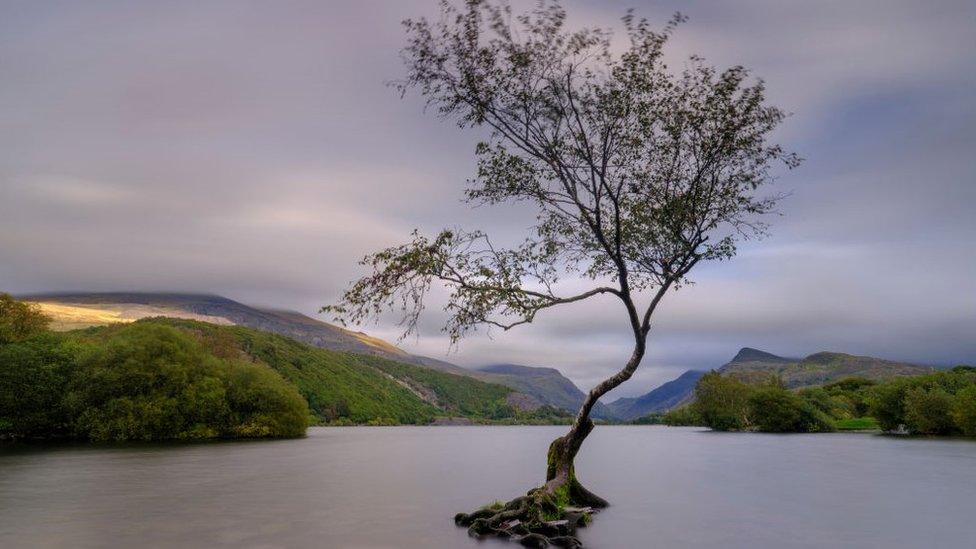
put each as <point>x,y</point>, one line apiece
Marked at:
<point>540,386</point>
<point>660,399</point>
<point>279,321</point>
<point>750,354</point>
<point>815,369</point>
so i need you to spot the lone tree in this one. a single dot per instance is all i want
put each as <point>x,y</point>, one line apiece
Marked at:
<point>637,175</point>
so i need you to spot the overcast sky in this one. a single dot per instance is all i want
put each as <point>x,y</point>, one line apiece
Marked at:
<point>252,149</point>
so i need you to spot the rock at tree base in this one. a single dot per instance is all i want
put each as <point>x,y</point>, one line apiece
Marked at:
<point>534,540</point>
<point>524,520</point>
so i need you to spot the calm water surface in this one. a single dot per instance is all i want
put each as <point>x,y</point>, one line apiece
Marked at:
<point>399,487</point>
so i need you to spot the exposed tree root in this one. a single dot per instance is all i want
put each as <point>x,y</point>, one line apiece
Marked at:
<point>547,515</point>
<point>543,517</point>
<point>534,520</point>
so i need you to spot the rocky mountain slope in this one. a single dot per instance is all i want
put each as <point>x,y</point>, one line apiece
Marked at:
<point>816,369</point>
<point>546,385</point>
<point>667,396</point>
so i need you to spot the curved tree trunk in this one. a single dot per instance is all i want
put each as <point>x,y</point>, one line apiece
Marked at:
<point>550,514</point>
<point>560,469</point>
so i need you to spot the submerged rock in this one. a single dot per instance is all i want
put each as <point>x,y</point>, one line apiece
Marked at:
<point>534,540</point>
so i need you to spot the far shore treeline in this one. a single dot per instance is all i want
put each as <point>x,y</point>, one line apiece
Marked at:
<point>939,403</point>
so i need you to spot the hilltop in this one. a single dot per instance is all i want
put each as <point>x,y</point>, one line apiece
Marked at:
<point>816,369</point>
<point>79,310</point>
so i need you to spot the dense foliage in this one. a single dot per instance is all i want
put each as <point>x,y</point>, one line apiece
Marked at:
<point>19,320</point>
<point>34,376</point>
<point>143,381</point>
<point>722,402</point>
<point>147,381</point>
<point>682,416</point>
<point>941,403</point>
<point>774,409</point>
<point>726,403</point>
<point>544,415</point>
<point>844,399</point>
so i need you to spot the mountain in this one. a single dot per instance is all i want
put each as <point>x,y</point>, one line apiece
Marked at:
<point>816,369</point>
<point>748,354</point>
<point>78,310</point>
<point>534,387</point>
<point>545,385</point>
<point>661,399</point>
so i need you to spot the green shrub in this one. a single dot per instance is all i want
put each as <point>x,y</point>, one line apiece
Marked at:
<point>682,416</point>
<point>833,404</point>
<point>33,379</point>
<point>888,403</point>
<point>964,410</point>
<point>360,388</point>
<point>852,394</point>
<point>928,404</point>
<point>777,410</point>
<point>927,411</point>
<point>939,403</point>
<point>262,404</point>
<point>721,402</point>
<point>653,418</point>
<point>151,382</point>
<point>20,320</point>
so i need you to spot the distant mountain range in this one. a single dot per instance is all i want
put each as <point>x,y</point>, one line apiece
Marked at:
<point>816,369</point>
<point>667,396</point>
<point>533,386</point>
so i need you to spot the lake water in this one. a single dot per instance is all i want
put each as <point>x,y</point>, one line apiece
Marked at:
<point>377,487</point>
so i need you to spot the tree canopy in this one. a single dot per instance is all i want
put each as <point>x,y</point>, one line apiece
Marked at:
<point>20,320</point>
<point>636,172</point>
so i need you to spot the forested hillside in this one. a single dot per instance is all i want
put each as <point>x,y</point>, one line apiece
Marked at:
<point>358,388</point>
<point>165,378</point>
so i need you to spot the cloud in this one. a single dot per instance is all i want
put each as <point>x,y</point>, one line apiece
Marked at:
<point>256,151</point>
<point>74,192</point>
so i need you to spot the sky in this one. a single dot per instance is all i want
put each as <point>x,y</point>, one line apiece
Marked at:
<point>254,150</point>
